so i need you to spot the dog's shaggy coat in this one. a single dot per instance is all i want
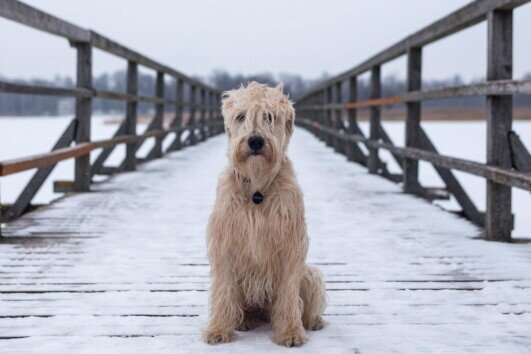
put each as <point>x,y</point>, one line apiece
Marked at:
<point>257,252</point>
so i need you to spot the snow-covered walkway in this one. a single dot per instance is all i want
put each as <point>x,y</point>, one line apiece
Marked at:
<point>123,269</point>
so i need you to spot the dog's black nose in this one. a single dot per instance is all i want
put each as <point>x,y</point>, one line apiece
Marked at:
<point>256,142</point>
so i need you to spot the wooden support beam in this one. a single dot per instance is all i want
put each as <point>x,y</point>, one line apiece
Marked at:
<point>376,92</point>
<point>131,115</point>
<point>498,223</point>
<point>353,151</point>
<point>159,115</point>
<point>178,119</point>
<point>413,114</point>
<point>39,177</point>
<point>520,156</point>
<point>97,166</point>
<point>192,118</point>
<point>83,115</point>
<point>202,113</point>
<point>338,119</point>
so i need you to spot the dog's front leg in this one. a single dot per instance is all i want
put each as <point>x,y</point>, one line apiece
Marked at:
<point>226,311</point>
<point>287,312</point>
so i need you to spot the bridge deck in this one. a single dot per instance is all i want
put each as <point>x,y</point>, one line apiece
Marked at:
<point>123,267</point>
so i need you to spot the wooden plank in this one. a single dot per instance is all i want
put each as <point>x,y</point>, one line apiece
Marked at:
<point>27,15</point>
<point>376,92</point>
<point>338,119</point>
<point>470,211</point>
<point>108,45</point>
<point>520,156</point>
<point>131,115</point>
<point>376,102</point>
<point>11,87</point>
<point>178,119</point>
<point>329,113</point>
<point>202,113</point>
<point>496,87</point>
<point>498,223</point>
<point>192,118</point>
<point>353,151</point>
<point>456,21</point>
<point>497,174</point>
<point>382,134</point>
<point>97,166</point>
<point>413,113</point>
<point>159,115</point>
<point>83,115</point>
<point>37,180</point>
<point>42,160</point>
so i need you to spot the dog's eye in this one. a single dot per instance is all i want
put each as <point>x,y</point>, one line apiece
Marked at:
<point>268,117</point>
<point>241,118</point>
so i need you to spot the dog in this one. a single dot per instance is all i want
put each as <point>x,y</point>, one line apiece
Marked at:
<point>256,235</point>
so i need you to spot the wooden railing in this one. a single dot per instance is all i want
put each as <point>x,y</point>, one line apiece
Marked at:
<point>508,162</point>
<point>200,107</point>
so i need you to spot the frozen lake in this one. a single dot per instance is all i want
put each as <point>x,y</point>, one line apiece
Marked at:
<point>33,135</point>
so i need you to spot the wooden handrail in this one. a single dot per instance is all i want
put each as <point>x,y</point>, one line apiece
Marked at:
<point>41,160</point>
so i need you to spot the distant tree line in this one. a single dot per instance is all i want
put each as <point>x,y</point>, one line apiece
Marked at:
<point>295,85</point>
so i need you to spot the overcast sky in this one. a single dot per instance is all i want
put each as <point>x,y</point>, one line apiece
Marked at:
<point>307,37</point>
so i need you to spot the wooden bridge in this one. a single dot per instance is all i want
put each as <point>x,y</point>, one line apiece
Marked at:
<point>120,265</point>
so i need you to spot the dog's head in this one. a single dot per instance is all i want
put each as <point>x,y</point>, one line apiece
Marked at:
<point>259,124</point>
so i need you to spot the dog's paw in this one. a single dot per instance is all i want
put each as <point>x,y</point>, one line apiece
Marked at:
<point>295,339</point>
<point>248,324</point>
<point>216,336</point>
<point>318,324</point>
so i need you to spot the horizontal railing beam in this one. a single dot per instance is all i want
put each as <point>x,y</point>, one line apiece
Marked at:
<point>12,87</point>
<point>466,16</point>
<point>42,160</point>
<point>496,174</point>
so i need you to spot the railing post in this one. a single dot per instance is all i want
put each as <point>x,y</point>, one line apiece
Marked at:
<point>498,221</point>
<point>376,92</point>
<point>339,125</point>
<point>131,115</point>
<point>159,113</point>
<point>83,115</point>
<point>352,118</point>
<point>202,113</point>
<point>413,114</point>
<point>191,119</point>
<point>329,113</point>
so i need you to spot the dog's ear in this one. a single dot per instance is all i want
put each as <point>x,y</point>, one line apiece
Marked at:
<point>227,103</point>
<point>280,87</point>
<point>290,118</point>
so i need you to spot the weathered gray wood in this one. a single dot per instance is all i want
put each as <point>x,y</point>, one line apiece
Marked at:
<point>465,17</point>
<point>131,115</point>
<point>202,113</point>
<point>108,45</point>
<point>470,211</point>
<point>83,115</point>
<point>520,156</point>
<point>353,151</point>
<point>39,177</point>
<point>497,174</point>
<point>329,113</point>
<point>376,92</point>
<point>382,134</point>
<point>338,119</point>
<point>30,16</point>
<point>498,225</point>
<point>193,111</point>
<point>12,87</point>
<point>159,114</point>
<point>498,87</point>
<point>413,113</point>
<point>97,166</point>
<point>177,120</point>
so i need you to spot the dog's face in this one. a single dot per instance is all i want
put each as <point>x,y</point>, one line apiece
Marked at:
<point>259,123</point>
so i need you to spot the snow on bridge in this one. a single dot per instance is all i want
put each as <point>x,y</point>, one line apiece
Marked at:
<point>123,268</point>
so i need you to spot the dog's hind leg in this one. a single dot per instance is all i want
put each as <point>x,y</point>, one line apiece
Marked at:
<point>313,296</point>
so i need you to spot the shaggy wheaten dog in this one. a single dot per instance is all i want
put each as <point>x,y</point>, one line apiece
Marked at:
<point>256,236</point>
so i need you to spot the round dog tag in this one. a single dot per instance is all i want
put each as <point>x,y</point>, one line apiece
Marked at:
<point>258,198</point>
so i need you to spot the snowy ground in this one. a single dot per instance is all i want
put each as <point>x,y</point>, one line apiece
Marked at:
<point>25,136</point>
<point>123,270</point>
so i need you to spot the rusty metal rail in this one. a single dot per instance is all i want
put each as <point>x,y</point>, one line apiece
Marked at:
<point>202,109</point>
<point>508,161</point>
